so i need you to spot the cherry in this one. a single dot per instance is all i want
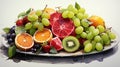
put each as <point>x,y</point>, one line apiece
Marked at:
<point>19,22</point>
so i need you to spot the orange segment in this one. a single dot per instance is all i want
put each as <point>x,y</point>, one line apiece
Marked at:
<point>24,41</point>
<point>43,36</point>
<point>96,20</point>
<point>49,10</point>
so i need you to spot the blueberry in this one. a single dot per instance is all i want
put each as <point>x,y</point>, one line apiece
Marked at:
<point>37,46</point>
<point>8,36</point>
<point>13,35</point>
<point>12,30</point>
<point>10,40</point>
<point>33,50</point>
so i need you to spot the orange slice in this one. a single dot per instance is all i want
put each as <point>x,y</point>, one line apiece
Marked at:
<point>24,41</point>
<point>96,20</point>
<point>42,36</point>
<point>49,10</point>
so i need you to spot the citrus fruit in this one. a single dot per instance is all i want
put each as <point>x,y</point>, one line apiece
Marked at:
<point>24,41</point>
<point>96,20</point>
<point>42,36</point>
<point>54,17</point>
<point>63,27</point>
<point>49,10</point>
<point>56,43</point>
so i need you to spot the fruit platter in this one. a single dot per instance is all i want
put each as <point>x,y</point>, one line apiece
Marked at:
<point>58,32</point>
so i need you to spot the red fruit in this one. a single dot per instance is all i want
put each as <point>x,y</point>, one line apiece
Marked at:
<point>63,27</point>
<point>46,48</point>
<point>54,17</point>
<point>25,20</point>
<point>19,22</point>
<point>56,43</point>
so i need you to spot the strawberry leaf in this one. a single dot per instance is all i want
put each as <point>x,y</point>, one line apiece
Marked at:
<point>77,6</point>
<point>6,30</point>
<point>11,51</point>
<point>53,50</point>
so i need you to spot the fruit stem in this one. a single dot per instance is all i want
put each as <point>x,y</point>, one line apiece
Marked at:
<point>39,19</point>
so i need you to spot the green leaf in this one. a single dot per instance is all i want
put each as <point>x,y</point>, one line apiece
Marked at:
<point>53,50</point>
<point>6,30</point>
<point>22,14</point>
<point>77,6</point>
<point>19,29</point>
<point>11,51</point>
<point>29,10</point>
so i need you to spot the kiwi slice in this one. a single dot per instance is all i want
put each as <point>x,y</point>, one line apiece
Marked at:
<point>70,44</point>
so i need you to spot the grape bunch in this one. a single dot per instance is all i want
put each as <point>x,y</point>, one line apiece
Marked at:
<point>95,36</point>
<point>33,20</point>
<point>10,36</point>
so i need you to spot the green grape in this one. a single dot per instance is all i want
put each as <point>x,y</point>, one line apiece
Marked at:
<point>97,38</point>
<point>28,26</point>
<point>99,47</point>
<point>70,14</point>
<point>45,15</point>
<point>88,47</point>
<point>101,28</point>
<point>32,31</point>
<point>74,10</point>
<point>70,7</point>
<point>45,22</point>
<point>80,15</point>
<point>81,10</point>
<point>41,27</point>
<point>89,36</point>
<point>36,24</point>
<point>93,45</point>
<point>91,28</point>
<point>107,42</point>
<point>86,16</point>
<point>112,35</point>
<point>104,37</point>
<point>32,17</point>
<point>65,13</point>
<point>86,42</point>
<point>95,32</point>
<point>84,23</point>
<point>76,22</point>
<point>79,30</point>
<point>83,35</point>
<point>38,12</point>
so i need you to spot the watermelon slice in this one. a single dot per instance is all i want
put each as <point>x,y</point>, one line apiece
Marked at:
<point>56,43</point>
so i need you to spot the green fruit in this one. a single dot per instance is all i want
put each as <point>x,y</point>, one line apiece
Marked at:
<point>70,44</point>
<point>88,47</point>
<point>99,47</point>
<point>11,51</point>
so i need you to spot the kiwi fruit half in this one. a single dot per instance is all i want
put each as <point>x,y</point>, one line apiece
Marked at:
<point>70,44</point>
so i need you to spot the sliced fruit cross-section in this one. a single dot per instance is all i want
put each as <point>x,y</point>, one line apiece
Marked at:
<point>62,27</point>
<point>70,44</point>
<point>24,41</point>
<point>56,43</point>
<point>42,36</point>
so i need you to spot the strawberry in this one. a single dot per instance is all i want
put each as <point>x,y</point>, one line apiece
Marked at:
<point>46,48</point>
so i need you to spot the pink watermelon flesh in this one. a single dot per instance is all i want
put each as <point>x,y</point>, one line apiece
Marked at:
<point>56,43</point>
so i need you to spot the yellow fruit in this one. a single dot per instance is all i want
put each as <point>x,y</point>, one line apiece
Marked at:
<point>24,41</point>
<point>96,20</point>
<point>42,36</point>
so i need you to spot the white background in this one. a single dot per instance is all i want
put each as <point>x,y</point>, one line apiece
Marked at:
<point>107,9</point>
